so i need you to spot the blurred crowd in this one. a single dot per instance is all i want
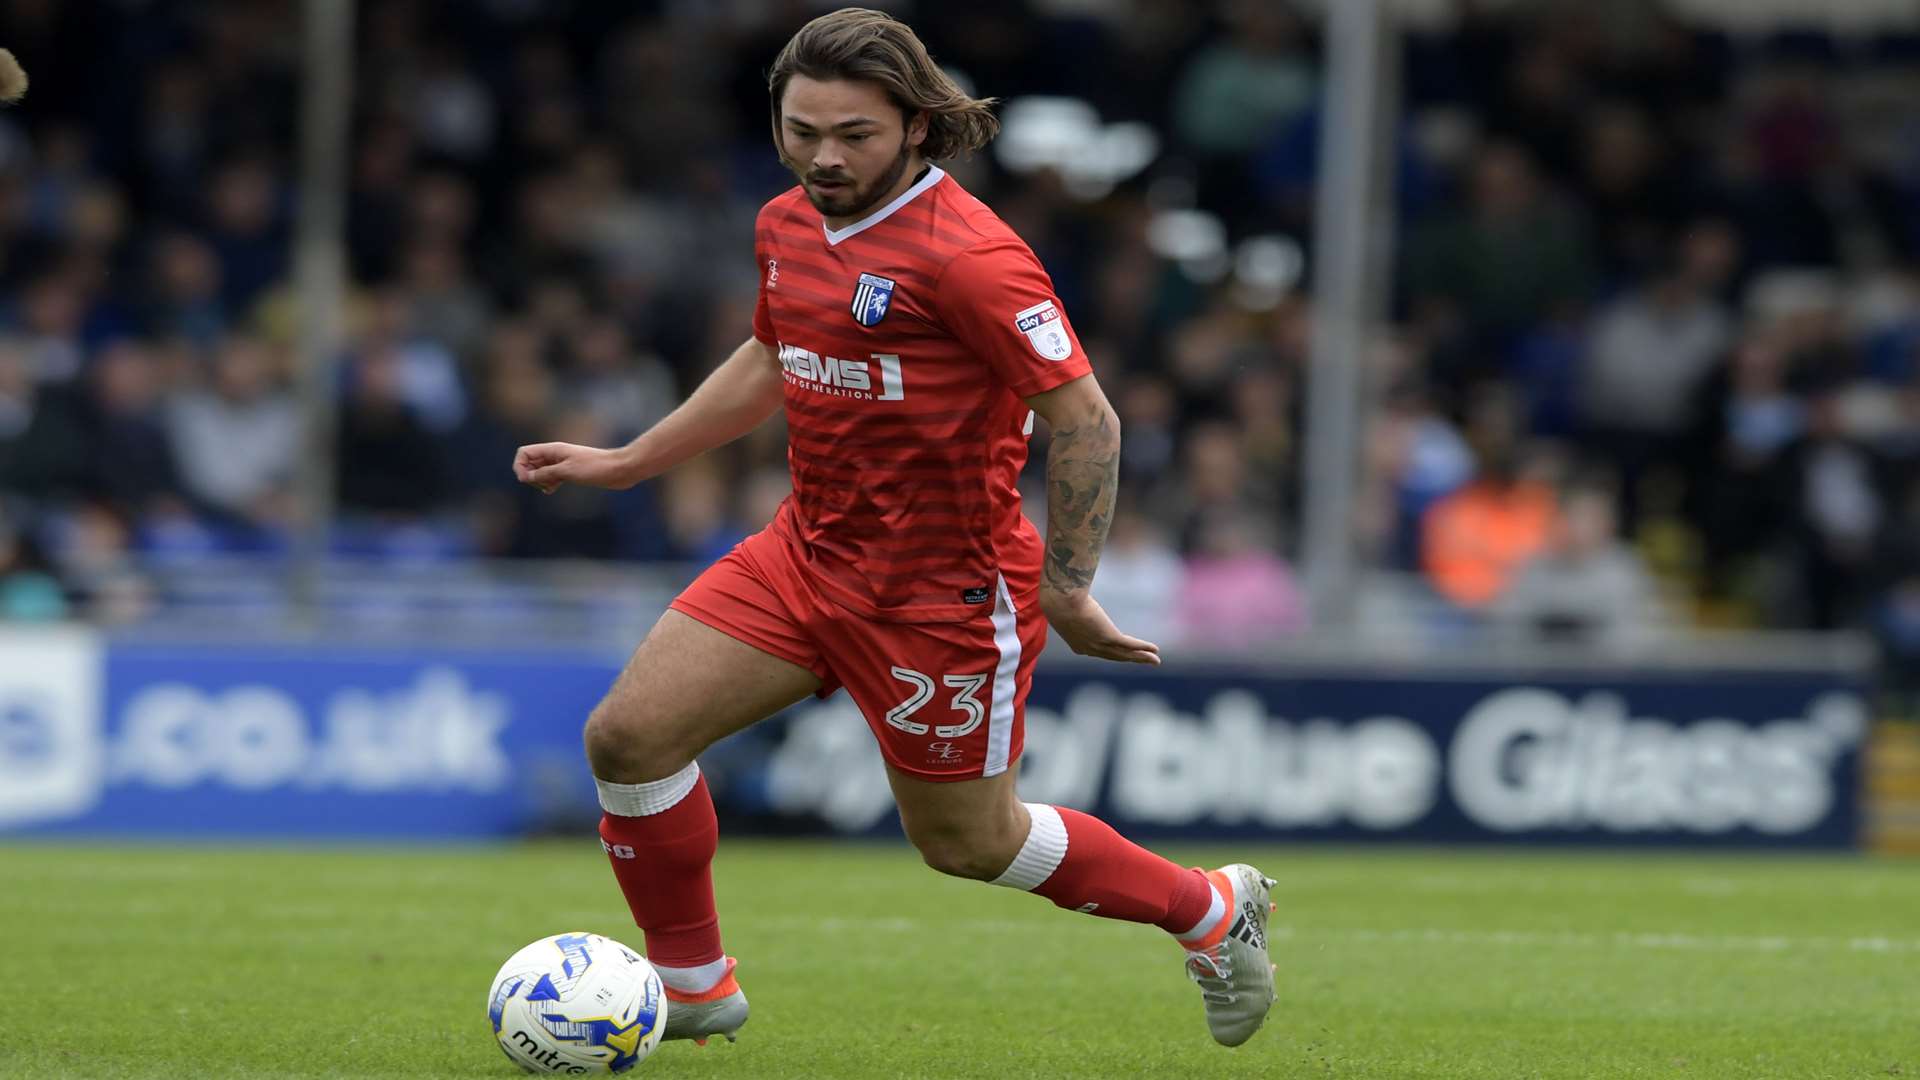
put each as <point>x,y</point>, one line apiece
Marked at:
<point>1653,358</point>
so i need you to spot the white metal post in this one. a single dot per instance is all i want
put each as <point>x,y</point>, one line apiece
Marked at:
<point>1350,242</point>
<point>326,104</point>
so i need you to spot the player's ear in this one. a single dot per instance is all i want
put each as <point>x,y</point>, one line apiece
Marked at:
<point>917,129</point>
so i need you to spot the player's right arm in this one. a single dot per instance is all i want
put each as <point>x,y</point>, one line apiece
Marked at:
<point>738,397</point>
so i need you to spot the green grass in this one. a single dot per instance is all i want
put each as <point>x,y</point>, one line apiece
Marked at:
<point>202,962</point>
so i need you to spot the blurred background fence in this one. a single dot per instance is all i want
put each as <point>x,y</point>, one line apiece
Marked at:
<point>1624,413</point>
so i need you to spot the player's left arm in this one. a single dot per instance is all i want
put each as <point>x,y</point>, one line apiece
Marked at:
<point>1083,479</point>
<point>997,301</point>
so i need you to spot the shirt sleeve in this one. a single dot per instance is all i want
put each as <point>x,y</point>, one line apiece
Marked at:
<point>762,316</point>
<point>998,302</point>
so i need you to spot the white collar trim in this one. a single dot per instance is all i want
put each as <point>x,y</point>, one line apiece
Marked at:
<point>934,175</point>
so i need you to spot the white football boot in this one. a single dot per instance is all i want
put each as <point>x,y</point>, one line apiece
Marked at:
<point>1233,972</point>
<point>719,1011</point>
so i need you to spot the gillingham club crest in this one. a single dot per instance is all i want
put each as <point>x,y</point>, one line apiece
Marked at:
<point>870,299</point>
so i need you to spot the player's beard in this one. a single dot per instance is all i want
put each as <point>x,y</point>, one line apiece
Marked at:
<point>858,200</point>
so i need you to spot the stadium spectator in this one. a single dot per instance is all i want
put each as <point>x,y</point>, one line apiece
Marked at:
<point>92,550</point>
<point>1694,263</point>
<point>760,497</point>
<point>1214,476</point>
<point>1140,578</point>
<point>28,593</point>
<point>1748,417</point>
<point>1263,413</point>
<point>1149,414</point>
<point>1836,494</point>
<point>1415,456</point>
<point>131,454</point>
<point>246,225</point>
<point>1897,625</point>
<point>628,391</point>
<point>582,524</point>
<point>173,133</point>
<point>388,463</point>
<point>699,514</point>
<point>446,306</point>
<point>237,438</point>
<point>1237,593</point>
<point>1649,352</point>
<point>43,435</point>
<point>1586,586</point>
<point>49,317</point>
<point>1514,256</point>
<point>1895,614</point>
<point>184,291</point>
<point>1634,192</point>
<point>429,375</point>
<point>1250,82</point>
<point>1475,540</point>
<point>517,399</point>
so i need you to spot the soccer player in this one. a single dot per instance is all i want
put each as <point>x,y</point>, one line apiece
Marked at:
<point>911,338</point>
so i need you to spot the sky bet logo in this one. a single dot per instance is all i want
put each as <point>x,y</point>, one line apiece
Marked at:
<point>842,378</point>
<point>1046,331</point>
<point>1035,317</point>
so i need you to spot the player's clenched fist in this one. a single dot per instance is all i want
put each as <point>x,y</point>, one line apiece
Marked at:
<point>548,465</point>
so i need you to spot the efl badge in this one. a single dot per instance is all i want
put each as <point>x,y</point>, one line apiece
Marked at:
<point>870,299</point>
<point>1046,330</point>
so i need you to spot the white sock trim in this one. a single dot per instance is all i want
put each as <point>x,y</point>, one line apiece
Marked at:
<point>694,980</point>
<point>1215,912</point>
<point>653,797</point>
<point>1041,855</point>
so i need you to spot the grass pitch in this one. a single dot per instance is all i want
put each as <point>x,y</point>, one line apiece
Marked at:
<point>204,962</point>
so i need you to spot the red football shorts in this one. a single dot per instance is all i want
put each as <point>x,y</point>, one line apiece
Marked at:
<point>946,700</point>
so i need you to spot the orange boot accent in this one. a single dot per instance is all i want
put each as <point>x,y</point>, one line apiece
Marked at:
<point>721,989</point>
<point>1225,887</point>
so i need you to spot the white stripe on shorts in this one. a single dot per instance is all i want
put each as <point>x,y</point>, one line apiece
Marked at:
<point>1006,638</point>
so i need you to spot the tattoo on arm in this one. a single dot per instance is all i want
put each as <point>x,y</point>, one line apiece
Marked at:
<point>1083,477</point>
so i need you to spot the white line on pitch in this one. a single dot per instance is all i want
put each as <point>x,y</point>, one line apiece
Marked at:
<point>1659,941</point>
<point>1617,939</point>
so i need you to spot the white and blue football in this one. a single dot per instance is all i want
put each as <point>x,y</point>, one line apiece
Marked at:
<point>577,1003</point>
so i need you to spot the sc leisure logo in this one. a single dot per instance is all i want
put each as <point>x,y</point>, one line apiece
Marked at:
<point>942,751</point>
<point>51,748</point>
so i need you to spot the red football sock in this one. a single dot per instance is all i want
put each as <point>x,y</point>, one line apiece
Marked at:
<point>663,860</point>
<point>1079,862</point>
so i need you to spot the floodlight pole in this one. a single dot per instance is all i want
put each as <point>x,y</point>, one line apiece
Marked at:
<point>326,103</point>
<point>1351,236</point>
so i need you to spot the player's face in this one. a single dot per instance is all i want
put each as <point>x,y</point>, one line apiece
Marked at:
<point>849,145</point>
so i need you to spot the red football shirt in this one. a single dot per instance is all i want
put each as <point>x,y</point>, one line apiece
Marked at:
<point>908,340</point>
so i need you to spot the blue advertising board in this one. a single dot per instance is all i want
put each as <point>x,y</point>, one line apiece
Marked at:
<point>315,742</point>
<point>326,741</point>
<point>1741,759</point>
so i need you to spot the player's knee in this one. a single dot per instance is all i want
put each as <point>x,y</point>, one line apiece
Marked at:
<point>958,860</point>
<point>975,856</point>
<point>610,751</point>
<point>622,747</point>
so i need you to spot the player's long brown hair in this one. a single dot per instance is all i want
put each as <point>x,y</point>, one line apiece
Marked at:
<point>859,43</point>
